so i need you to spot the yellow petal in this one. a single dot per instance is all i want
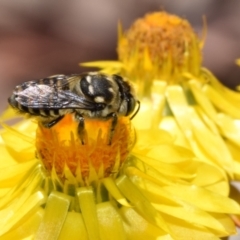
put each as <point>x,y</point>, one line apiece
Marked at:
<point>171,170</point>
<point>110,222</point>
<point>19,145</point>
<point>194,129</point>
<point>16,214</point>
<point>226,222</point>
<point>27,228</point>
<point>169,124</point>
<point>89,212</point>
<point>150,137</point>
<point>202,99</point>
<point>112,188</point>
<point>192,215</point>
<point>73,227</point>
<point>11,175</point>
<point>13,133</point>
<point>170,154</point>
<point>137,228</point>
<point>108,67</point>
<point>221,102</point>
<point>55,214</point>
<point>184,230</point>
<point>6,159</point>
<point>143,118</point>
<point>216,180</point>
<point>229,94</point>
<point>148,172</point>
<point>140,202</point>
<point>204,199</point>
<point>230,127</point>
<point>32,179</point>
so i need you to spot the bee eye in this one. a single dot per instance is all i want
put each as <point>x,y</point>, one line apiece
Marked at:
<point>131,105</point>
<point>85,85</point>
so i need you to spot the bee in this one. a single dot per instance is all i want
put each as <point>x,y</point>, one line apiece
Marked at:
<point>87,95</point>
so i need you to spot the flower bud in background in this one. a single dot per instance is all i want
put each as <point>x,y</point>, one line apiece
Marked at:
<point>161,53</point>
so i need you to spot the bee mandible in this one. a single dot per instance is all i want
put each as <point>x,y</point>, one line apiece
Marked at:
<point>87,95</point>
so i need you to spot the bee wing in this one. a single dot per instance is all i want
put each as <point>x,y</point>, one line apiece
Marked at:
<point>44,96</point>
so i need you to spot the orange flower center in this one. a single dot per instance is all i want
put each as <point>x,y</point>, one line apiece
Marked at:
<point>60,148</point>
<point>159,46</point>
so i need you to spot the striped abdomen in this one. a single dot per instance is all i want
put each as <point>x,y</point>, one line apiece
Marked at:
<point>39,97</point>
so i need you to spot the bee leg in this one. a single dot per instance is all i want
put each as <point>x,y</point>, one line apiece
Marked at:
<point>81,127</point>
<point>53,122</point>
<point>113,126</point>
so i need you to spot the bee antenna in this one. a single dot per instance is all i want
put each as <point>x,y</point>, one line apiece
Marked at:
<point>137,110</point>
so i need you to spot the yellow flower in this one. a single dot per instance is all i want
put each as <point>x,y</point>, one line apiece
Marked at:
<point>95,191</point>
<point>54,187</point>
<point>162,54</point>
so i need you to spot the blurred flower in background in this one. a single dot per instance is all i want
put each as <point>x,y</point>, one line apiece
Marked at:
<point>162,54</point>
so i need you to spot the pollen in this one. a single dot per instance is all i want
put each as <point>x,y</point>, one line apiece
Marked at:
<point>159,45</point>
<point>61,150</point>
